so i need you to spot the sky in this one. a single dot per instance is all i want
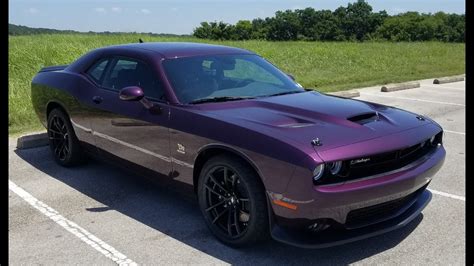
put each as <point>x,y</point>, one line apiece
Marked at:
<point>180,16</point>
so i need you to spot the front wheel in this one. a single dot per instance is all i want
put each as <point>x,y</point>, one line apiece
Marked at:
<point>233,202</point>
<point>62,140</point>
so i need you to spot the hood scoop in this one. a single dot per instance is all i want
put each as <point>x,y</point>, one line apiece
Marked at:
<point>364,118</point>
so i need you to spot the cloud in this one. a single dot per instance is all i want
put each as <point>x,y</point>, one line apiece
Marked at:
<point>100,10</point>
<point>145,11</point>
<point>116,9</point>
<point>32,10</point>
<point>174,9</point>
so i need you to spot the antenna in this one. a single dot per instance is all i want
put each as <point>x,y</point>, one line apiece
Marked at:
<point>140,40</point>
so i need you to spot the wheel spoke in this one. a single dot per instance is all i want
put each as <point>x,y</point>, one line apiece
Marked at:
<point>57,149</point>
<point>226,177</point>
<point>236,222</point>
<point>66,149</point>
<point>219,215</point>
<point>217,183</point>
<point>63,128</point>
<point>216,205</point>
<point>213,191</point>
<point>54,131</point>
<point>229,222</point>
<point>243,200</point>
<point>56,124</point>
<point>62,150</point>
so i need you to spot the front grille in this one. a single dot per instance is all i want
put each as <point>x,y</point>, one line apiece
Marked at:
<point>380,163</point>
<point>380,212</point>
<point>392,160</point>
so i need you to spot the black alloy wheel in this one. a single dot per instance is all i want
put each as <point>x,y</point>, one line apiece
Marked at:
<point>227,201</point>
<point>59,138</point>
<point>232,201</point>
<point>62,139</point>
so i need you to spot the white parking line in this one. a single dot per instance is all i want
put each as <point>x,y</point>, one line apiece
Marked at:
<point>455,132</point>
<point>72,227</point>
<point>447,194</point>
<point>410,99</point>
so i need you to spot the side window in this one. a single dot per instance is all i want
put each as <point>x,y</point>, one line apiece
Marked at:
<point>97,70</point>
<point>128,72</point>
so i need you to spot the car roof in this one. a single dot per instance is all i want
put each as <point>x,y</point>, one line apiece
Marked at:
<point>183,49</point>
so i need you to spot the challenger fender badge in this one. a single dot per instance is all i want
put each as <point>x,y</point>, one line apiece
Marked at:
<point>181,149</point>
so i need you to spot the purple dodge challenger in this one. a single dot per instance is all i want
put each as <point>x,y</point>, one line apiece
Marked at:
<point>264,156</point>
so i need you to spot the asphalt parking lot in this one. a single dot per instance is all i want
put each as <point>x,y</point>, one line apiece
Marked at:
<point>98,214</point>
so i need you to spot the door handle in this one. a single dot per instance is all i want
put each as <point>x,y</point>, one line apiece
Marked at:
<point>97,99</point>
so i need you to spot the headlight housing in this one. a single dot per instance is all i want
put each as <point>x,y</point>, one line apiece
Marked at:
<point>334,167</point>
<point>318,172</point>
<point>328,169</point>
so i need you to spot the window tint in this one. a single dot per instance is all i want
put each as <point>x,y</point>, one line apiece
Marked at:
<point>97,70</point>
<point>245,69</point>
<point>127,72</point>
<point>211,76</point>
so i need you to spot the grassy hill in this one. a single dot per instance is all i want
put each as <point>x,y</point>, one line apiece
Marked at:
<point>326,66</point>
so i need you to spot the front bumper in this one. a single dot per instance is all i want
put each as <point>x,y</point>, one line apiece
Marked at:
<point>338,237</point>
<point>335,203</point>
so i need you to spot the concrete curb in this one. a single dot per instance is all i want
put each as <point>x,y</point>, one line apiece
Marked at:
<point>32,141</point>
<point>346,94</point>
<point>448,79</point>
<point>400,86</point>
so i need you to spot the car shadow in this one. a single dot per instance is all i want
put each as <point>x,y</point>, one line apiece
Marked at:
<point>172,210</point>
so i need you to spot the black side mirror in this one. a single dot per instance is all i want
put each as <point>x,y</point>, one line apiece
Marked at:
<point>132,93</point>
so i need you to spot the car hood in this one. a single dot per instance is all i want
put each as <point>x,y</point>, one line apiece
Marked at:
<point>303,117</point>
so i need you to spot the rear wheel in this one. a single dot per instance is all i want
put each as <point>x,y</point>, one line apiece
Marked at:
<point>62,139</point>
<point>233,202</point>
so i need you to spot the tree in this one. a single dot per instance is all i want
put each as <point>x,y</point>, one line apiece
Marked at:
<point>214,31</point>
<point>355,22</point>
<point>326,27</point>
<point>204,31</point>
<point>284,26</point>
<point>260,28</point>
<point>242,30</point>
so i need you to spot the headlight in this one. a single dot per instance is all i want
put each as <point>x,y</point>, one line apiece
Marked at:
<point>335,167</point>
<point>318,172</point>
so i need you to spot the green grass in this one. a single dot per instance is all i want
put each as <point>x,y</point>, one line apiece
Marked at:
<point>326,66</point>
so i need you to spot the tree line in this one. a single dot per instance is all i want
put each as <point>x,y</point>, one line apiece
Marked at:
<point>356,22</point>
<point>24,30</point>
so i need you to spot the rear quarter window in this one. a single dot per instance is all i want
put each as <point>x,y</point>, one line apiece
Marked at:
<point>96,71</point>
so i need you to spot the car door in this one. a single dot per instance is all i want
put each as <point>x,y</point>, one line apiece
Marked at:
<point>84,109</point>
<point>127,129</point>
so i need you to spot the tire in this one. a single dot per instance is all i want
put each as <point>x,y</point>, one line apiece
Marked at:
<point>239,217</point>
<point>63,142</point>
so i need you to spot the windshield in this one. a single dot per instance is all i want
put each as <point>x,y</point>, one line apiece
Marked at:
<point>226,77</point>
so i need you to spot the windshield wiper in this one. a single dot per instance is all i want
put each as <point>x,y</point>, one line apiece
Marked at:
<point>283,93</point>
<point>219,99</point>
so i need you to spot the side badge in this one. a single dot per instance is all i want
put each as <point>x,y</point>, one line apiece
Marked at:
<point>181,149</point>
